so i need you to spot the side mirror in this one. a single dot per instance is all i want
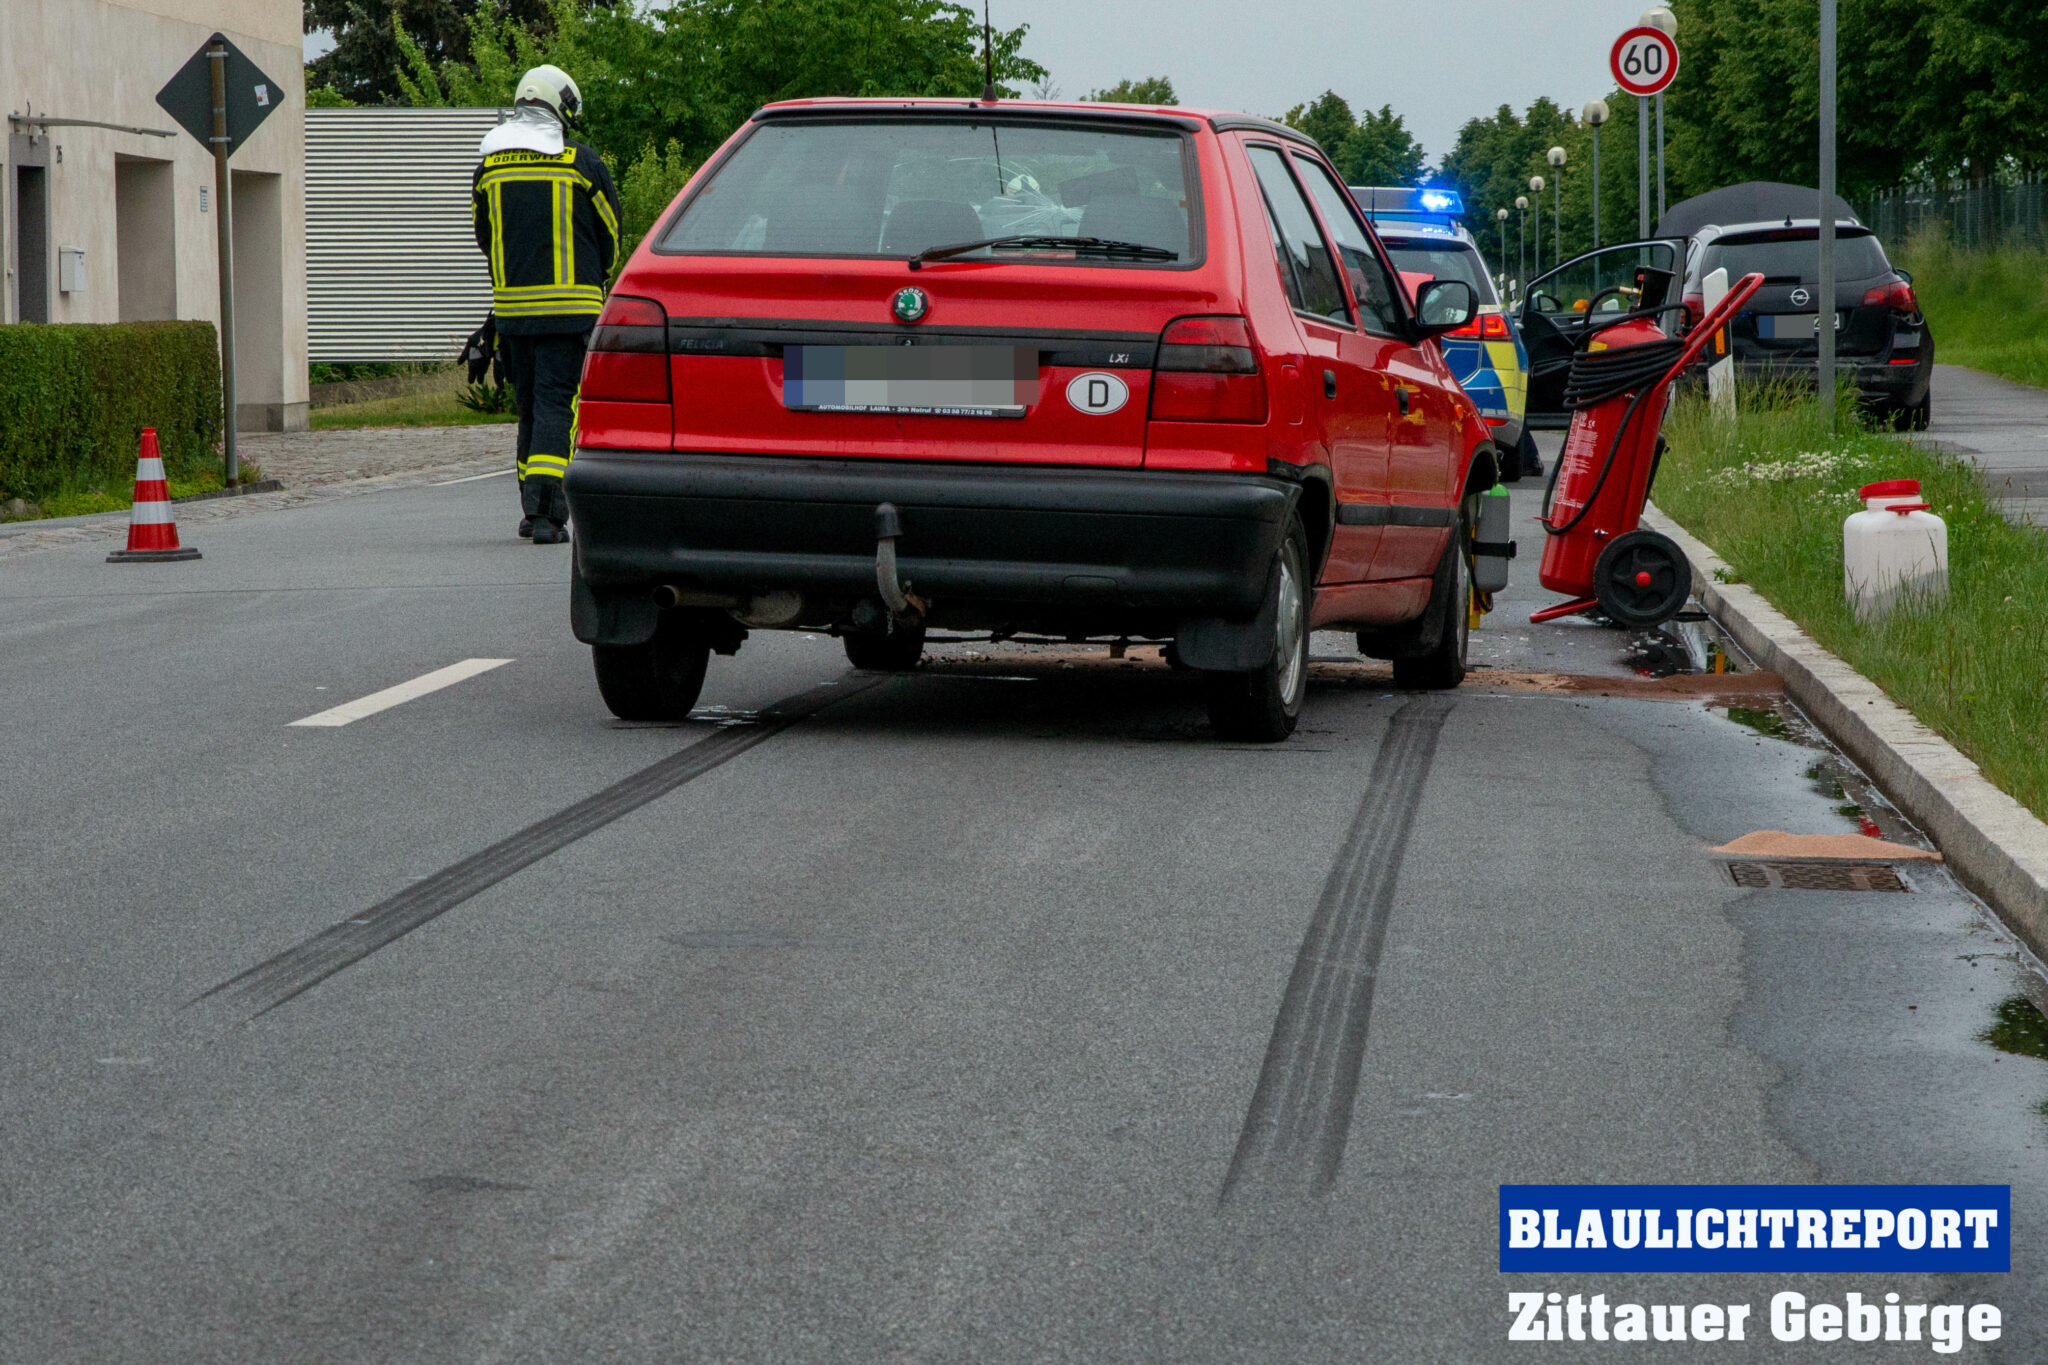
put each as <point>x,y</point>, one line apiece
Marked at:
<point>1444,305</point>
<point>1903,273</point>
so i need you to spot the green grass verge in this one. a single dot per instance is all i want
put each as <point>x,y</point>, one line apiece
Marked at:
<point>436,408</point>
<point>77,501</point>
<point>1988,309</point>
<point>1769,495</point>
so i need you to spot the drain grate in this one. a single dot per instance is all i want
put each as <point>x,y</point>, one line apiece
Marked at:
<point>1817,876</point>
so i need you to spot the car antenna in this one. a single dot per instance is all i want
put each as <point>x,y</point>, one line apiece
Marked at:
<point>988,60</point>
<point>988,96</point>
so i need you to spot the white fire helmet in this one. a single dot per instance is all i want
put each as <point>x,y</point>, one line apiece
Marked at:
<point>551,86</point>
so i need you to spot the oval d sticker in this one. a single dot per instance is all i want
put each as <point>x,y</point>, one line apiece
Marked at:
<point>1096,393</point>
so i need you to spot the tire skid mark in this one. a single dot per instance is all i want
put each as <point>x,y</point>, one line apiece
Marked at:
<point>1300,1115</point>
<point>306,964</point>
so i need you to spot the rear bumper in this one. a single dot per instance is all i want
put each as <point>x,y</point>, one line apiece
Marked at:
<point>985,544</point>
<point>1875,378</point>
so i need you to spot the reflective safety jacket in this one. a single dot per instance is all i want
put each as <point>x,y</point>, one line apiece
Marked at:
<point>550,225</point>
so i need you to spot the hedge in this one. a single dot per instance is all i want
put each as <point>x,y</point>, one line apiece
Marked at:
<point>74,398</point>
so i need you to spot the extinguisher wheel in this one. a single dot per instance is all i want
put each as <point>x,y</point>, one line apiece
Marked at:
<point>1642,579</point>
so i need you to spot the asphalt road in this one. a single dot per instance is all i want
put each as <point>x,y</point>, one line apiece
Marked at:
<point>943,1017</point>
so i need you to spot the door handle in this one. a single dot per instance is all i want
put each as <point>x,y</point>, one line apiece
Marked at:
<point>1401,398</point>
<point>1329,383</point>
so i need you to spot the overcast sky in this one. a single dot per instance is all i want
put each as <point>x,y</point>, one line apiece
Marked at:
<point>1438,62</point>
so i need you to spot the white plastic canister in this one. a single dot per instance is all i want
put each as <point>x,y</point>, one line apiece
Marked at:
<point>1895,546</point>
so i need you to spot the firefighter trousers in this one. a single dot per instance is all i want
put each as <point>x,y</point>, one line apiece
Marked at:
<point>546,370</point>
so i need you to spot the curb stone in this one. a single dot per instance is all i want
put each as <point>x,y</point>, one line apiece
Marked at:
<point>1994,845</point>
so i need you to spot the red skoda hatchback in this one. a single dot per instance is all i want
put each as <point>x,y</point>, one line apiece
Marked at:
<point>1034,369</point>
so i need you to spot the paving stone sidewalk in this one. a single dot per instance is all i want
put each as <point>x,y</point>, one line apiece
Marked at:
<point>2002,428</point>
<point>313,466</point>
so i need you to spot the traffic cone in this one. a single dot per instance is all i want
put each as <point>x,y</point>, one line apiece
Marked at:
<point>152,534</point>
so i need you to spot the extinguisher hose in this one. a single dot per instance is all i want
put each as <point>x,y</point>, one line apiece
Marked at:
<point>1596,377</point>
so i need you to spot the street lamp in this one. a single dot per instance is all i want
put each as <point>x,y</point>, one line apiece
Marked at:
<point>1536,188</point>
<point>1556,158</point>
<point>1664,21</point>
<point>1522,234</point>
<point>1594,114</point>
<point>1501,217</point>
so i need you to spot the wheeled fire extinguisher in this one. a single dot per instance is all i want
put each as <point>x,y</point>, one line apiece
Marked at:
<point>1595,549</point>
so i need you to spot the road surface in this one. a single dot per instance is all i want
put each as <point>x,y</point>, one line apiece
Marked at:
<point>996,1012</point>
<point>2000,426</point>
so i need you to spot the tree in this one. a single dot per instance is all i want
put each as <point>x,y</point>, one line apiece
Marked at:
<point>1375,150</point>
<point>693,71</point>
<point>1150,90</point>
<point>1984,100</point>
<point>363,66</point>
<point>1746,103</point>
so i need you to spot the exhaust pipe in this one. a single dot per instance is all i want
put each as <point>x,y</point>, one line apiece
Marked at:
<point>669,595</point>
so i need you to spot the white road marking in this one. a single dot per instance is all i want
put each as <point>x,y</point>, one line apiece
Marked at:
<point>349,712</point>
<point>472,478</point>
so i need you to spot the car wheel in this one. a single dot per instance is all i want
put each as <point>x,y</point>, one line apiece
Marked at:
<point>1262,706</point>
<point>896,652</point>
<point>1641,579</point>
<point>1449,619</point>
<point>658,679</point>
<point>1918,416</point>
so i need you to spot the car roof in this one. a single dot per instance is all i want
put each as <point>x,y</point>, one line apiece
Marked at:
<point>1749,202</point>
<point>1219,120</point>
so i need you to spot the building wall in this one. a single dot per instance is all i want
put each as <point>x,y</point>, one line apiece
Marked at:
<point>393,270</point>
<point>105,60</point>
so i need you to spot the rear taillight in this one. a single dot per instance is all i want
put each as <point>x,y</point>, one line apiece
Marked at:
<point>1483,327</point>
<point>628,359</point>
<point>1897,296</point>
<point>1208,371</point>
<point>1695,310</point>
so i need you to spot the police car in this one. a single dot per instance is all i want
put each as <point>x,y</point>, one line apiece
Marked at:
<point>1421,232</point>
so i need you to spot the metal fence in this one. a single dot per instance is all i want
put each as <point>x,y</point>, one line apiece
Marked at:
<point>392,269</point>
<point>1970,216</point>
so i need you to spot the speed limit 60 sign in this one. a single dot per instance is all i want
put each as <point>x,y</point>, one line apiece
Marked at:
<point>1644,60</point>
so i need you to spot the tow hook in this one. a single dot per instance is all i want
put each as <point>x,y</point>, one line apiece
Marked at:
<point>903,604</point>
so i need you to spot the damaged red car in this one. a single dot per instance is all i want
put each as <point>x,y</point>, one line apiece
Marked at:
<point>1033,369</point>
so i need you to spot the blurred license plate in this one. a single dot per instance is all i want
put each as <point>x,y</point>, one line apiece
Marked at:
<point>926,381</point>
<point>1791,326</point>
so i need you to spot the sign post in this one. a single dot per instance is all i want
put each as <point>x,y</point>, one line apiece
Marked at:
<point>1825,316</point>
<point>220,97</point>
<point>224,229</point>
<point>1644,61</point>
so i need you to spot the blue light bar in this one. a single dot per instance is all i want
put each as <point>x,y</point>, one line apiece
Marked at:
<point>1407,204</point>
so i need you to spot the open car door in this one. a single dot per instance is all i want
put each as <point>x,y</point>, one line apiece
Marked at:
<point>1554,308</point>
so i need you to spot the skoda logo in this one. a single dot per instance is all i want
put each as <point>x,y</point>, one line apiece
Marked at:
<point>910,305</point>
<point>1798,296</point>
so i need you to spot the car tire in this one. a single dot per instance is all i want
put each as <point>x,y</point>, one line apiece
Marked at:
<point>1922,412</point>
<point>1263,705</point>
<point>656,680</point>
<point>896,652</point>
<point>1448,619</point>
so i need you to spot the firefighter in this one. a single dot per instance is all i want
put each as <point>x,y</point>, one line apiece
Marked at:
<point>547,218</point>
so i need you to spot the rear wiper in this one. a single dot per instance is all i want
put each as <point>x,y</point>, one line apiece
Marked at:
<point>1092,246</point>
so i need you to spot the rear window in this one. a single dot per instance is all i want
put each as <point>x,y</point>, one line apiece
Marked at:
<point>1793,256</point>
<point>895,188</point>
<point>1442,261</point>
